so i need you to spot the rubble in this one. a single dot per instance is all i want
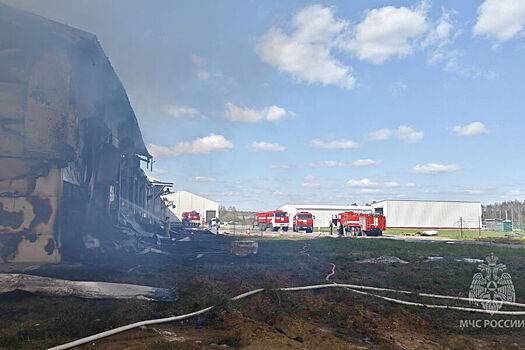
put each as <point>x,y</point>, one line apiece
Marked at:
<point>428,233</point>
<point>383,260</point>
<point>81,289</point>
<point>457,259</point>
<point>244,248</point>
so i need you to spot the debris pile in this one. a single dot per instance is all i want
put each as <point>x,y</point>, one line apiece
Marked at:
<point>82,289</point>
<point>383,260</point>
<point>244,248</point>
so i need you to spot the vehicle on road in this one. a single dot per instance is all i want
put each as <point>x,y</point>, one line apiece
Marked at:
<point>191,218</point>
<point>303,221</point>
<point>272,220</point>
<point>361,224</point>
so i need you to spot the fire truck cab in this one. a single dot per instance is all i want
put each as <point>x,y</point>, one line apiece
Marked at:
<point>272,220</point>
<point>361,224</point>
<point>303,221</point>
<point>191,218</point>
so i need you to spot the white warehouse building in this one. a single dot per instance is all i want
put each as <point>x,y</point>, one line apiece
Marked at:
<point>183,201</point>
<point>418,214</point>
<point>430,214</point>
<point>323,213</point>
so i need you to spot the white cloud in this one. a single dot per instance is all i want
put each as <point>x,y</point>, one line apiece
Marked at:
<point>274,113</point>
<point>280,166</point>
<point>247,115</point>
<point>176,111</point>
<point>473,191</point>
<point>435,168</point>
<point>335,144</point>
<point>203,75</point>
<point>197,60</point>
<point>472,129</point>
<point>403,132</point>
<point>438,41</point>
<point>442,33</point>
<point>242,114</point>
<point>307,52</point>
<point>202,145</point>
<point>387,32</point>
<point>370,190</point>
<point>500,19</point>
<point>203,179</point>
<point>516,193</point>
<point>409,134</point>
<point>310,181</point>
<point>337,164</point>
<point>398,88</point>
<point>380,135</point>
<point>266,147</point>
<point>364,162</point>
<point>450,60</point>
<point>367,183</point>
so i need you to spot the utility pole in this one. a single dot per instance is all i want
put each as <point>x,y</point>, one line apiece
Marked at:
<point>479,226</point>
<point>461,227</point>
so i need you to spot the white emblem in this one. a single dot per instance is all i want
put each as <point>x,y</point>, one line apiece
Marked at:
<point>491,285</point>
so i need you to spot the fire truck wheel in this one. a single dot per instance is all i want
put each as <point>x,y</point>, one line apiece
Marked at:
<point>285,229</point>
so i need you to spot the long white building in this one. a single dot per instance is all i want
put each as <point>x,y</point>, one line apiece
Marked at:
<point>430,214</point>
<point>183,201</point>
<point>323,213</point>
<point>418,214</point>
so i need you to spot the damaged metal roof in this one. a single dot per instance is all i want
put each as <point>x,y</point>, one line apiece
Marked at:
<point>95,91</point>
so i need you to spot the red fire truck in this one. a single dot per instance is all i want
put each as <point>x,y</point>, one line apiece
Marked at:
<point>191,218</point>
<point>273,220</point>
<point>303,221</point>
<point>361,224</point>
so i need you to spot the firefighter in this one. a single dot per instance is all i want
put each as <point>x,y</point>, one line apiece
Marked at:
<point>215,225</point>
<point>167,226</point>
<point>341,229</point>
<point>333,223</point>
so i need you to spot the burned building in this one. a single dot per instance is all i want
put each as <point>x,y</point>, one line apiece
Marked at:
<point>70,145</point>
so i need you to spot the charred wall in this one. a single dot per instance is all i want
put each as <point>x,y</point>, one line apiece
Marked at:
<point>67,135</point>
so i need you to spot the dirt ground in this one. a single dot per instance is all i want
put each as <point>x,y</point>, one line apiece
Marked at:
<point>321,319</point>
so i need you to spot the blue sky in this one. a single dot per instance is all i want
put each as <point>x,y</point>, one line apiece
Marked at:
<point>259,103</point>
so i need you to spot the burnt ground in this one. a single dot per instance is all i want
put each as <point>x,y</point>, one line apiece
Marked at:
<point>322,319</point>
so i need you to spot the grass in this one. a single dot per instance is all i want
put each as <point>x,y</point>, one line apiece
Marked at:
<point>448,233</point>
<point>454,233</point>
<point>201,283</point>
<point>466,234</point>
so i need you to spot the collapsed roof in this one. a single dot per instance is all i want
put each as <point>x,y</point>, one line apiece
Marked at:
<point>30,47</point>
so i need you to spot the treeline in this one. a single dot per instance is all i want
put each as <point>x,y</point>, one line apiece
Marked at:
<point>231,214</point>
<point>511,210</point>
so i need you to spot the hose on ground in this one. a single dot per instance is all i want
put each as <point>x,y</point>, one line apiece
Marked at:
<point>351,287</point>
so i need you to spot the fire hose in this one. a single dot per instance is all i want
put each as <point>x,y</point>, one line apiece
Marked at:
<point>351,287</point>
